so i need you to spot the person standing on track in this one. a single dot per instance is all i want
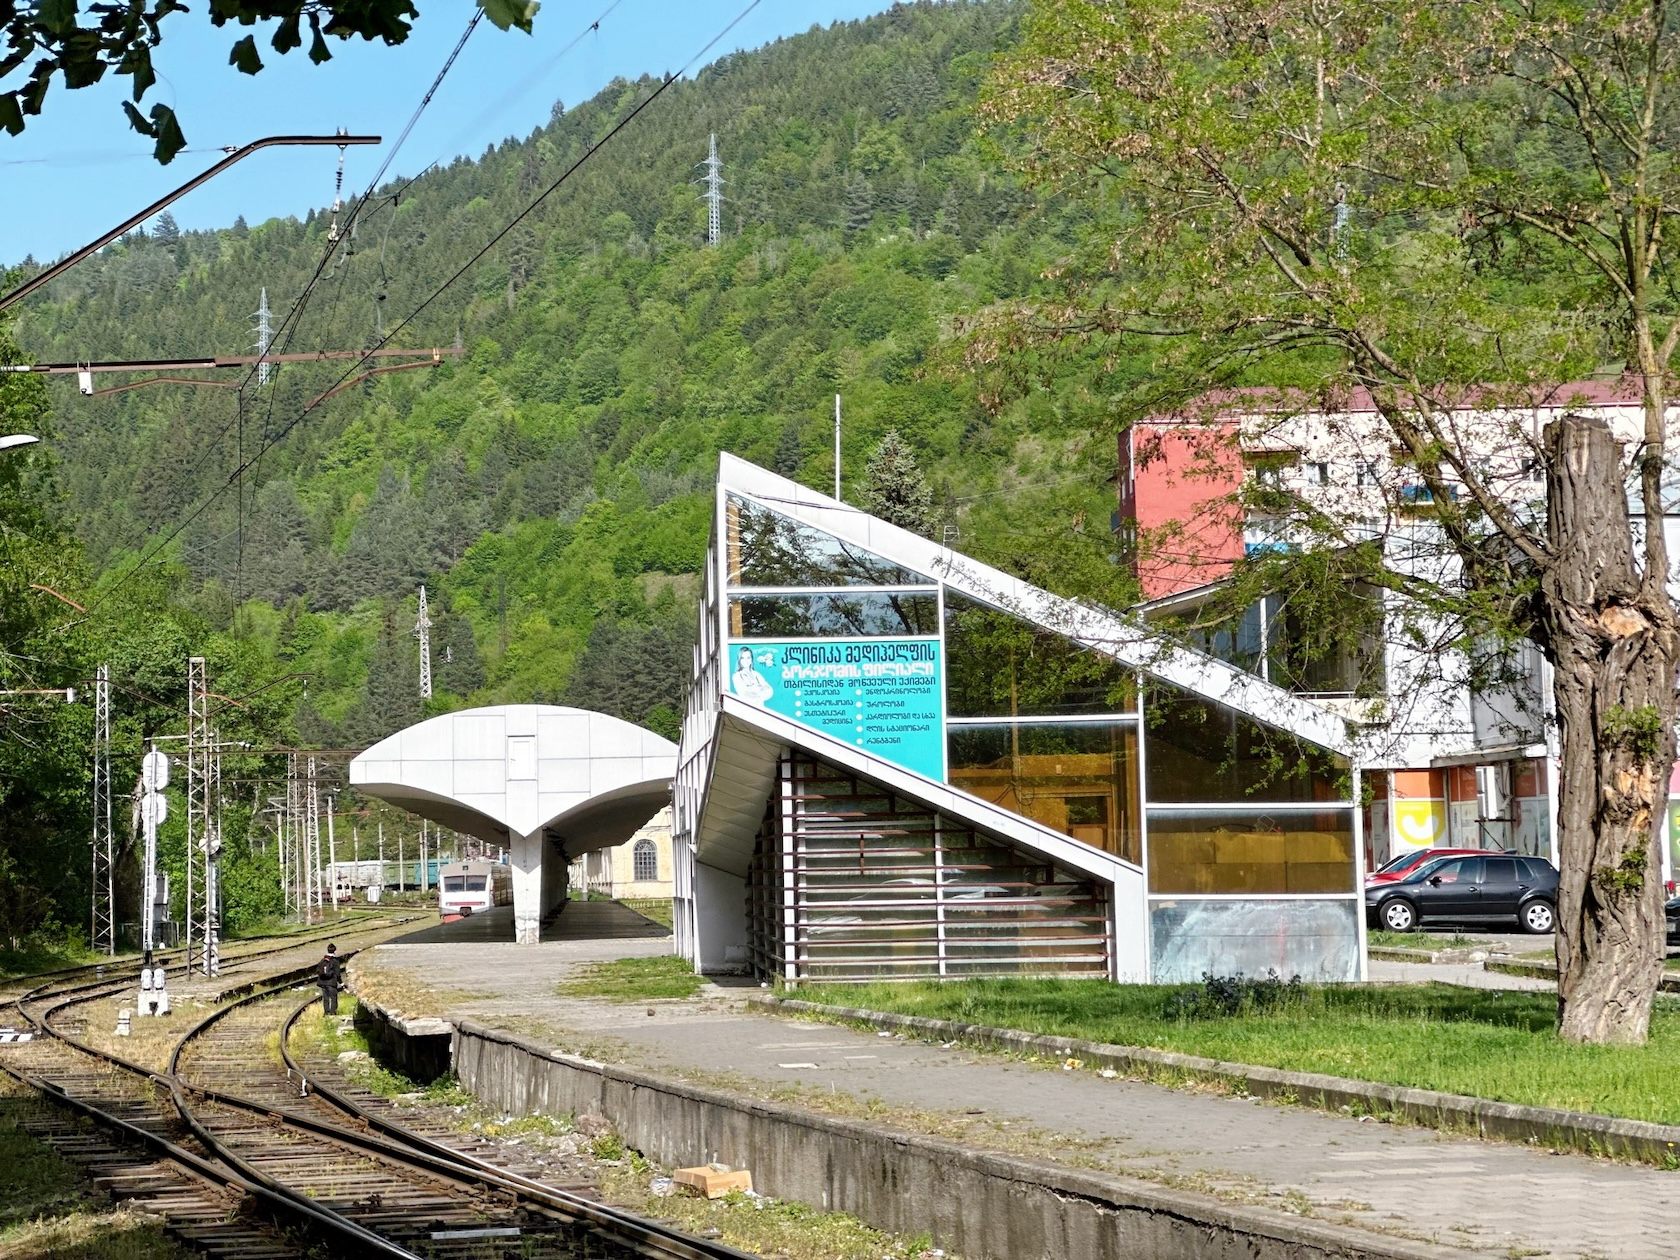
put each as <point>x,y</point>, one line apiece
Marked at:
<point>329,977</point>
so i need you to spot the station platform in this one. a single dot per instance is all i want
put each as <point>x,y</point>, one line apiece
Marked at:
<point>573,921</point>
<point>1394,1189</point>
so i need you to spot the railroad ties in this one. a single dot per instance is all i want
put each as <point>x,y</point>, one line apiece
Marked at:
<point>242,1161</point>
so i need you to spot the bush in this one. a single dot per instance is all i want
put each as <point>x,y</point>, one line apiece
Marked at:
<point>1226,997</point>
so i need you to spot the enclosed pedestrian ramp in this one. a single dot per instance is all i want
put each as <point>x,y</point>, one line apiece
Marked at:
<point>546,782</point>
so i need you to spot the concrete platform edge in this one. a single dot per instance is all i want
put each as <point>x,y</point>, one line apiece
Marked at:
<point>1580,1131</point>
<point>985,1205</point>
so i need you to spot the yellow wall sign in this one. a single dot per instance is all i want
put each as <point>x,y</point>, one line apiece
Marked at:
<point>1420,824</point>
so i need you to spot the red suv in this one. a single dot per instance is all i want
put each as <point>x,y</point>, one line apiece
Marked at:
<point>1401,865</point>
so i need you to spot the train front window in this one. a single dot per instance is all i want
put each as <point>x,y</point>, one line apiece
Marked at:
<point>454,883</point>
<point>475,883</point>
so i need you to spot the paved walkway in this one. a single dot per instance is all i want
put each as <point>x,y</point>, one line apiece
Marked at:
<point>1483,1199</point>
<point>573,921</point>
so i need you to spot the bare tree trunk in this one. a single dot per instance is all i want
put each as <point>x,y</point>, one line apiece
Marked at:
<point>1614,641</point>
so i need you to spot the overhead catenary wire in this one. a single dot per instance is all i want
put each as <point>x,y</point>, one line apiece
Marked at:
<point>269,441</point>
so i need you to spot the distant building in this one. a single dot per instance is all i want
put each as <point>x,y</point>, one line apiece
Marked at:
<point>1447,763</point>
<point>639,868</point>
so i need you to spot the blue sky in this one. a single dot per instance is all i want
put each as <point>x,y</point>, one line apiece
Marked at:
<point>78,169</point>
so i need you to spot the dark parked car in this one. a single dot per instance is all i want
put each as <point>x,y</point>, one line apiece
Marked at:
<point>1403,864</point>
<point>1672,910</point>
<point>1493,889</point>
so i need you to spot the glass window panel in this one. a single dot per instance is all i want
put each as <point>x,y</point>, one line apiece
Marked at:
<point>769,549</point>
<point>1076,778</point>
<point>1202,752</point>
<point>1002,666</point>
<point>1316,940</point>
<point>1251,852</point>
<point>833,616</point>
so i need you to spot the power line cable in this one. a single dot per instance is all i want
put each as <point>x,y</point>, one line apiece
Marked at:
<point>269,442</point>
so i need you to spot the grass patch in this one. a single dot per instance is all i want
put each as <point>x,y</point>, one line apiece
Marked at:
<point>1486,1043</point>
<point>48,1209</point>
<point>656,908</point>
<point>395,989</point>
<point>633,980</point>
<point>1421,940</point>
<point>37,954</point>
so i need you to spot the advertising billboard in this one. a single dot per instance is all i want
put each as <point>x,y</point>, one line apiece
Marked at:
<point>885,696</point>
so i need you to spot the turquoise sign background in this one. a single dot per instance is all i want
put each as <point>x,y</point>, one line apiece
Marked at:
<point>884,696</point>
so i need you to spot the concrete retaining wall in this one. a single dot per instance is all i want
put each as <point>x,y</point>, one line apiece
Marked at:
<point>985,1205</point>
<point>418,1048</point>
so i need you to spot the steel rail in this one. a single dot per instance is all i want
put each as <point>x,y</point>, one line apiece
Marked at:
<point>405,1147</point>
<point>285,1205</point>
<point>288,1207</point>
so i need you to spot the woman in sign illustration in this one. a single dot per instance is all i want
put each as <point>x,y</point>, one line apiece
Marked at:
<point>747,682</point>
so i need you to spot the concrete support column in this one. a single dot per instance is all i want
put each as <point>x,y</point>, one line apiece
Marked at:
<point>526,857</point>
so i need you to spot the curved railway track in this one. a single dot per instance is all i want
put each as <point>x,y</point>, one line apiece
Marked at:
<point>250,1157</point>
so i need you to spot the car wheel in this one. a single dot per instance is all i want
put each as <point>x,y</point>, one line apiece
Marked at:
<point>1538,917</point>
<point>1398,916</point>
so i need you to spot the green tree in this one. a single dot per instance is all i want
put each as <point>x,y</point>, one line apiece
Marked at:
<point>895,489</point>
<point>1418,200</point>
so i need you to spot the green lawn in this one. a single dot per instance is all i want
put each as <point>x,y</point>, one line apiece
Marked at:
<point>1419,940</point>
<point>1486,1043</point>
<point>633,980</point>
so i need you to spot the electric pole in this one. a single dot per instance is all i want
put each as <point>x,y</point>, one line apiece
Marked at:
<point>713,166</point>
<point>104,928</point>
<point>198,781</point>
<point>423,632</point>
<point>332,853</point>
<point>212,917</point>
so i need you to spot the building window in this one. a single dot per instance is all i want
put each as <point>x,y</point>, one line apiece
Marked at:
<point>866,614</point>
<point>1199,752</point>
<point>998,665</point>
<point>769,549</point>
<point>645,858</point>
<point>1077,778</point>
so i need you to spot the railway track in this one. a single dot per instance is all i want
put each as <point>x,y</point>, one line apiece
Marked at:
<point>247,1155</point>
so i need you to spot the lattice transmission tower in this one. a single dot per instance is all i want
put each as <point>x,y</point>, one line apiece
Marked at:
<point>423,632</point>
<point>713,166</point>
<point>312,846</point>
<point>289,838</point>
<point>104,926</point>
<point>265,336</point>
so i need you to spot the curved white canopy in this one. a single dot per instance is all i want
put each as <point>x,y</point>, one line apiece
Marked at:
<point>517,770</point>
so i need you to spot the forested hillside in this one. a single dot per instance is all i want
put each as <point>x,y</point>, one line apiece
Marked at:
<point>550,485</point>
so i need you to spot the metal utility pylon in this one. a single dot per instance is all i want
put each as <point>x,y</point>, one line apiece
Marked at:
<point>211,956</point>
<point>198,787</point>
<point>104,927</point>
<point>713,166</point>
<point>423,632</point>
<point>265,335</point>
<point>312,846</point>
<point>288,838</point>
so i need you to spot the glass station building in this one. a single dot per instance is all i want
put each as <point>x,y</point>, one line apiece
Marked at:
<point>899,763</point>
